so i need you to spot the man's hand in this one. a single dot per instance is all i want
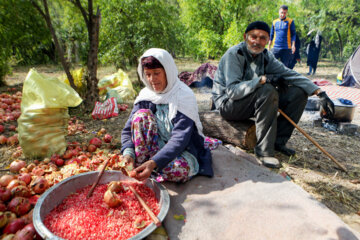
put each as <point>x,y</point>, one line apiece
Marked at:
<point>327,105</point>
<point>277,82</point>
<point>143,172</point>
<point>263,79</point>
<point>293,48</point>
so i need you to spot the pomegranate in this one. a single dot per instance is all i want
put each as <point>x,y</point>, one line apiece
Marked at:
<point>139,222</point>
<point>2,207</point>
<point>54,157</point>
<point>75,152</point>
<point>39,185</point>
<point>24,170</point>
<point>3,219</point>
<point>33,199</point>
<point>31,166</point>
<point>1,128</point>
<point>6,179</point>
<point>12,128</point>
<point>13,140</point>
<point>15,183</point>
<point>19,205</point>
<point>20,191</point>
<point>68,154</point>
<point>102,131</point>
<point>28,218</point>
<point>111,199</point>
<point>8,236</point>
<point>26,177</point>
<point>5,194</point>
<point>16,165</point>
<point>132,174</point>
<point>46,160</point>
<point>17,114</point>
<point>3,139</point>
<point>59,162</point>
<point>52,167</point>
<point>17,153</point>
<point>10,215</point>
<point>96,141</point>
<point>14,226</point>
<point>27,233</point>
<point>38,171</point>
<point>115,186</point>
<point>91,148</point>
<point>107,138</point>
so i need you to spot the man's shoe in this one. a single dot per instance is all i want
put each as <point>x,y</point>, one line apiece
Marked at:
<point>285,150</point>
<point>270,162</point>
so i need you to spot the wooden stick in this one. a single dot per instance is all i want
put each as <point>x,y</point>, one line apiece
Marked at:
<point>148,210</point>
<point>97,179</point>
<point>312,140</point>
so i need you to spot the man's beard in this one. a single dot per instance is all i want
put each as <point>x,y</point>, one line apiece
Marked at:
<point>254,52</point>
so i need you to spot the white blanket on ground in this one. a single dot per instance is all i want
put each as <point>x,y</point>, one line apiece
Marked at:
<point>245,201</point>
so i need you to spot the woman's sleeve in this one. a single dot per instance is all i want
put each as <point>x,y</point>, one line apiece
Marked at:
<point>179,140</point>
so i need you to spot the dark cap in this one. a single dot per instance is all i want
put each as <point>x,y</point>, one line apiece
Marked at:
<point>258,25</point>
<point>285,7</point>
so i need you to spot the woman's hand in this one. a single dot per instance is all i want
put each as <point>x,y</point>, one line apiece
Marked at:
<point>143,172</point>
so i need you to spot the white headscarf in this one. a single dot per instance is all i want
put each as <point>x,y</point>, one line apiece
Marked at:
<point>177,94</point>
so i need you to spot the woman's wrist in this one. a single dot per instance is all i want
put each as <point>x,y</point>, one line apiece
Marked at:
<point>152,165</point>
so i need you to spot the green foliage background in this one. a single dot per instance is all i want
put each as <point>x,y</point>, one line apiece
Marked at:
<point>197,28</point>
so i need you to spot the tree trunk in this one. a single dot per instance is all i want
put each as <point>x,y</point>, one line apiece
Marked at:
<point>69,52</point>
<point>92,89</point>
<point>46,16</point>
<point>76,51</point>
<point>239,133</point>
<point>340,40</point>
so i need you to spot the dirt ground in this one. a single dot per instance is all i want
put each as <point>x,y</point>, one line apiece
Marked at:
<point>310,168</point>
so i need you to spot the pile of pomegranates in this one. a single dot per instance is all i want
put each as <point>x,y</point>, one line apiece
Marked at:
<point>76,126</point>
<point>18,195</point>
<point>20,189</point>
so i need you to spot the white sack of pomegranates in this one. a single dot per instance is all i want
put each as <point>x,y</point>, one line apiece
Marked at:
<point>64,212</point>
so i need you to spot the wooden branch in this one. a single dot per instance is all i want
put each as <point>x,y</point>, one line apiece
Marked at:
<point>312,140</point>
<point>38,8</point>
<point>155,219</point>
<point>77,3</point>
<point>239,133</point>
<point>90,8</point>
<point>98,178</point>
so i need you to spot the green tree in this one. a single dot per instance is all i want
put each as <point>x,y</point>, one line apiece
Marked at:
<point>212,26</point>
<point>339,22</point>
<point>92,22</point>
<point>24,38</point>
<point>131,26</point>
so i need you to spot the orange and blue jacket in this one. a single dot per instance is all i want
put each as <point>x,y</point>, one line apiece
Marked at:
<point>283,31</point>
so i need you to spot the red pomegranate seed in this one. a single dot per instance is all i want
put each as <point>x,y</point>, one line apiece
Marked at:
<point>80,218</point>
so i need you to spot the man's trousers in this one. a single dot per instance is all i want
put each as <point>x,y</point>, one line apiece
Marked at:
<point>263,105</point>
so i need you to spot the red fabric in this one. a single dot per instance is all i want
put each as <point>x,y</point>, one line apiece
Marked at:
<point>352,94</point>
<point>106,109</point>
<point>322,82</point>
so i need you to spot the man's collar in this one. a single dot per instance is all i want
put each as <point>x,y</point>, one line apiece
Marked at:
<point>283,19</point>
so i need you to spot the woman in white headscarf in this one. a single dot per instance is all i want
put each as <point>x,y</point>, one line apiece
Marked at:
<point>163,134</point>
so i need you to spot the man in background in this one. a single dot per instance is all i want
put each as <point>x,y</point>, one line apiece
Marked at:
<point>282,37</point>
<point>250,82</point>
